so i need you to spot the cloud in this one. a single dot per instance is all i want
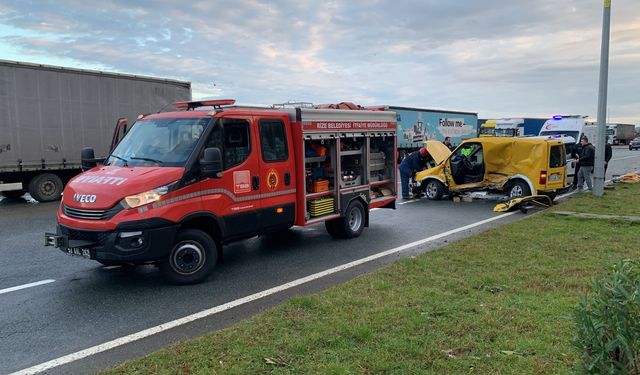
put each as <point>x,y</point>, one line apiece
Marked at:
<point>496,57</point>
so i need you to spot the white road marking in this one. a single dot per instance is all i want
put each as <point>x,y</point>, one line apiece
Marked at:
<point>25,286</point>
<point>229,305</point>
<point>626,157</point>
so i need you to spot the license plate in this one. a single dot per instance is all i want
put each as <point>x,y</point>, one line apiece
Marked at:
<point>79,251</point>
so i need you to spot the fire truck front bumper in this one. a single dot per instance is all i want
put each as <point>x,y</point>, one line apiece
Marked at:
<point>131,242</point>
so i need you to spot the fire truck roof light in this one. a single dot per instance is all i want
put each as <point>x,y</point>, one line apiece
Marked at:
<point>203,103</point>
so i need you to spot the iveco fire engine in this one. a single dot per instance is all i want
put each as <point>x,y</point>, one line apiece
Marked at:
<point>180,185</point>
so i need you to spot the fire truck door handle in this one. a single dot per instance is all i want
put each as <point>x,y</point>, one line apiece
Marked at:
<point>256,182</point>
<point>287,178</point>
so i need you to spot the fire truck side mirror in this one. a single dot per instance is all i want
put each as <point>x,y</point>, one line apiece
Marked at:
<point>211,163</point>
<point>87,158</point>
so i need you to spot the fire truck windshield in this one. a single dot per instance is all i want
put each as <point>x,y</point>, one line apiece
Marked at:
<point>166,142</point>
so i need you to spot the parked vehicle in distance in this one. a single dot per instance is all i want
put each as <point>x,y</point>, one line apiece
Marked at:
<point>634,144</point>
<point>51,112</point>
<point>511,127</point>
<point>487,128</point>
<point>182,184</point>
<point>512,166</point>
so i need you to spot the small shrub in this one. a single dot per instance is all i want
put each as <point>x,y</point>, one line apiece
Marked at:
<point>608,323</point>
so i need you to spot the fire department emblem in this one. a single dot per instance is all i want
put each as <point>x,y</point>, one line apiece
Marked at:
<point>272,179</point>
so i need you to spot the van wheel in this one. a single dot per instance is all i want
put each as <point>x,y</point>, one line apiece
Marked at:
<point>45,187</point>
<point>434,190</point>
<point>192,258</point>
<point>352,224</point>
<point>518,189</point>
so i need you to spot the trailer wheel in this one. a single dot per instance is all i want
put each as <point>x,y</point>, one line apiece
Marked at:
<point>518,189</point>
<point>46,187</point>
<point>434,190</point>
<point>192,258</point>
<point>352,224</point>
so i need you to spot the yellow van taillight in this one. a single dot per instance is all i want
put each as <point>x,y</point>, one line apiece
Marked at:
<point>543,177</point>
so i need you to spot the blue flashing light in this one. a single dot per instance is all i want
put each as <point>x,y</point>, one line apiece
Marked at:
<point>557,117</point>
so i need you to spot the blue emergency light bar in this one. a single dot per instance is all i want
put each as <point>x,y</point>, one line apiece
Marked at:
<point>557,117</point>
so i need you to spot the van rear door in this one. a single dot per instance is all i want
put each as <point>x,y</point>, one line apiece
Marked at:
<point>556,172</point>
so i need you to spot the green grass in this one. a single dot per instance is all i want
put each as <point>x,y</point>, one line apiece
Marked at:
<point>498,302</point>
<point>618,201</point>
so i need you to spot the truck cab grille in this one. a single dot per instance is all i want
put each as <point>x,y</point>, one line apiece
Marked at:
<point>91,214</point>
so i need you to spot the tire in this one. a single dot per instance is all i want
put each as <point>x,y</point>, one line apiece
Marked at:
<point>46,187</point>
<point>352,224</point>
<point>434,190</point>
<point>192,258</point>
<point>331,227</point>
<point>518,189</point>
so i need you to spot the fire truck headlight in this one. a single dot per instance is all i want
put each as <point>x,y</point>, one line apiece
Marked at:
<point>137,200</point>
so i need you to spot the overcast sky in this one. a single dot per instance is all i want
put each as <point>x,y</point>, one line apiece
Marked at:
<point>500,58</point>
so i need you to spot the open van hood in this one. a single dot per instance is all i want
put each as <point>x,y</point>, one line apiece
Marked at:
<point>438,150</point>
<point>103,187</point>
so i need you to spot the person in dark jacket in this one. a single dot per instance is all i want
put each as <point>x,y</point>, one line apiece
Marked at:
<point>575,154</point>
<point>413,163</point>
<point>608,153</point>
<point>447,142</point>
<point>586,160</point>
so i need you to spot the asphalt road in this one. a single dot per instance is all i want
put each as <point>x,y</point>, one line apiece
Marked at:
<point>83,304</point>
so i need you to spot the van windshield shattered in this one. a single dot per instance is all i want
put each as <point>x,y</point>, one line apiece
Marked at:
<point>166,142</point>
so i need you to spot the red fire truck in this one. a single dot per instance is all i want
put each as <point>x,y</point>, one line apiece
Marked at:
<point>180,185</point>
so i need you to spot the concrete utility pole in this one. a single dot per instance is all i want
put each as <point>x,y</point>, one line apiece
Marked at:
<point>600,141</point>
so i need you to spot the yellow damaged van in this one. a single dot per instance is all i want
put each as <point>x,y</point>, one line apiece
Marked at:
<point>514,166</point>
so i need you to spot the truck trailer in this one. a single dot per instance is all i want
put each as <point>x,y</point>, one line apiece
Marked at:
<point>622,133</point>
<point>48,113</point>
<point>416,125</point>
<point>182,184</point>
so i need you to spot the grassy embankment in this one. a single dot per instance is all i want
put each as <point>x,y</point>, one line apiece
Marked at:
<point>498,302</point>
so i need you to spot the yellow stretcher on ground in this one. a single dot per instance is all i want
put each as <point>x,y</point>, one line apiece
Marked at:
<point>522,203</point>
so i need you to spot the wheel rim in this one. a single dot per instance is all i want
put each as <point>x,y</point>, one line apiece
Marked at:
<point>355,219</point>
<point>48,188</point>
<point>516,191</point>
<point>187,258</point>
<point>432,190</point>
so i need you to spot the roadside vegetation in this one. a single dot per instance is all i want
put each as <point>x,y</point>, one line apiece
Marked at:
<point>503,301</point>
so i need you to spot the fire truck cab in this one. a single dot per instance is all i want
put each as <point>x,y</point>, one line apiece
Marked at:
<point>182,184</point>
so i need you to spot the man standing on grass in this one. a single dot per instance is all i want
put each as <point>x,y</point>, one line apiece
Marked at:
<point>586,161</point>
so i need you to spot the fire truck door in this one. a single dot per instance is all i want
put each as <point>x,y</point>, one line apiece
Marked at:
<point>277,180</point>
<point>233,197</point>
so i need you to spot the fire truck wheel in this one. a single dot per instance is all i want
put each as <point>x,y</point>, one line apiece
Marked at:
<point>434,190</point>
<point>331,227</point>
<point>352,224</point>
<point>46,187</point>
<point>192,258</point>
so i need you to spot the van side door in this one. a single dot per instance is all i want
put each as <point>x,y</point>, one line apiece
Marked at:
<point>277,173</point>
